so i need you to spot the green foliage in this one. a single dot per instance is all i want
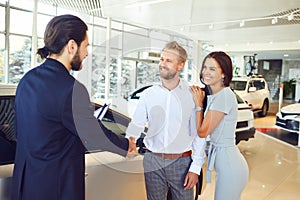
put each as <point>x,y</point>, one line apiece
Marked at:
<point>289,87</point>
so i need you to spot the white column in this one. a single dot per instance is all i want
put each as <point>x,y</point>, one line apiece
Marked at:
<point>297,92</point>
<point>107,54</point>
<point>34,35</point>
<point>6,53</point>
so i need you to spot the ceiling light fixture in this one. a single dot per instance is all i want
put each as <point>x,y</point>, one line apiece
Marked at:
<point>291,17</point>
<point>242,23</point>
<point>274,20</point>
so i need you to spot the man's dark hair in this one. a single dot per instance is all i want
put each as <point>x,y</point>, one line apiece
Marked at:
<point>59,31</point>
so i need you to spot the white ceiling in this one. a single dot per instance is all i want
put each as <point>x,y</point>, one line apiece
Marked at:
<point>193,18</point>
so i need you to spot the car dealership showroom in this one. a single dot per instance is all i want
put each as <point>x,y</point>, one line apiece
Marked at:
<point>125,43</point>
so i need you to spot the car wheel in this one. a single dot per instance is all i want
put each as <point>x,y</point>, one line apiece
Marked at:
<point>264,109</point>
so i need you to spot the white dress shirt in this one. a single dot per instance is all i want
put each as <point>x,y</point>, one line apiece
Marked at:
<point>171,122</point>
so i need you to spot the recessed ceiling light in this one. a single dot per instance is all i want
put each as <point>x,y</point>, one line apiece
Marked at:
<point>242,23</point>
<point>285,55</point>
<point>274,20</point>
<point>291,17</point>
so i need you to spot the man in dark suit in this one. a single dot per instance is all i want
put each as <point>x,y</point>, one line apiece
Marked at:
<point>54,120</point>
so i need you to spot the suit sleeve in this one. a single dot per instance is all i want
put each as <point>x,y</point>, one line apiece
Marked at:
<point>78,117</point>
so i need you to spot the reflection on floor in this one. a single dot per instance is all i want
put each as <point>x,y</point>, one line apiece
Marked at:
<point>274,170</point>
<point>286,136</point>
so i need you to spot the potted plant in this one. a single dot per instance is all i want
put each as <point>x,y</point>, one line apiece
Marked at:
<point>289,89</point>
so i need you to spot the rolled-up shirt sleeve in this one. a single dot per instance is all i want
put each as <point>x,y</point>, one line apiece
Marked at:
<point>138,121</point>
<point>198,147</point>
<point>198,155</point>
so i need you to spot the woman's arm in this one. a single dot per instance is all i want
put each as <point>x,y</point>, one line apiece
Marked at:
<point>204,125</point>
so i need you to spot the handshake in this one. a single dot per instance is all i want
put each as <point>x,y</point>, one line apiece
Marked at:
<point>136,144</point>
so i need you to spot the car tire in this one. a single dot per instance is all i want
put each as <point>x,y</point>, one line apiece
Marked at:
<point>264,109</point>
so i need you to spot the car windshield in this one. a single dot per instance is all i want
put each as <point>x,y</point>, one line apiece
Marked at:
<point>239,99</point>
<point>238,85</point>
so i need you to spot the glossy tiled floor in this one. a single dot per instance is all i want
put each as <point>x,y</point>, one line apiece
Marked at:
<point>274,167</point>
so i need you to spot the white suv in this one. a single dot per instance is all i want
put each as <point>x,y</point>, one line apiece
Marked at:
<point>255,91</point>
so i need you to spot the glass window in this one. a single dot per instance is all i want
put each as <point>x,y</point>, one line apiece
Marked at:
<point>24,4</point>
<point>134,43</point>
<point>19,58</point>
<point>98,73</point>
<point>183,42</point>
<point>17,25</point>
<point>127,77</point>
<point>2,19</point>
<point>135,29</point>
<point>3,1</point>
<point>46,8</point>
<point>116,39</point>
<point>159,35</point>
<point>100,21</point>
<point>40,44</point>
<point>2,46</point>
<point>147,73</point>
<point>157,45</point>
<point>116,25</point>
<point>99,36</point>
<point>259,85</point>
<point>42,21</point>
<point>238,85</point>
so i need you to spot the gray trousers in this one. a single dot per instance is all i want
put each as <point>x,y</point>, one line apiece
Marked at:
<point>162,175</point>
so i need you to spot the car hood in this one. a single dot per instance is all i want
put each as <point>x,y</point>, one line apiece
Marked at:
<point>291,109</point>
<point>240,92</point>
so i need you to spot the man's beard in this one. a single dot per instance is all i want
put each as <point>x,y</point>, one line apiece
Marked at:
<point>76,63</point>
<point>167,74</point>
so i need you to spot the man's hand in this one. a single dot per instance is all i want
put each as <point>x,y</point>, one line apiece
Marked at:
<point>191,179</point>
<point>132,151</point>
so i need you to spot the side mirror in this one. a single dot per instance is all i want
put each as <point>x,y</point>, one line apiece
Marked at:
<point>252,89</point>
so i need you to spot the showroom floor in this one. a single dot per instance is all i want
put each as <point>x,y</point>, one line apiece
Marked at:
<point>274,166</point>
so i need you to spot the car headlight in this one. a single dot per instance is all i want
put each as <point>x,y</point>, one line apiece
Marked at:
<point>293,125</point>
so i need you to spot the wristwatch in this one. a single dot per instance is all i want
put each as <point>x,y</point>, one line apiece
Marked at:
<point>198,109</point>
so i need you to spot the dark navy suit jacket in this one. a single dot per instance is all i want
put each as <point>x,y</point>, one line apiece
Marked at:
<point>55,126</point>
